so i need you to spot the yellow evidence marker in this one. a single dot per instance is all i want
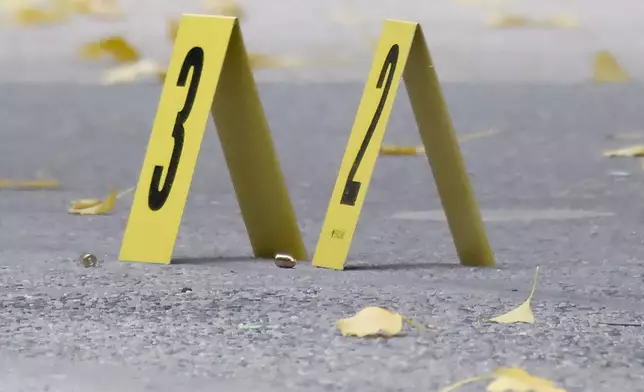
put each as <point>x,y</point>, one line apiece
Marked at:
<point>402,53</point>
<point>209,73</point>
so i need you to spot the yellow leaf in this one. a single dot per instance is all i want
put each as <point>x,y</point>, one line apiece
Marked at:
<point>94,207</point>
<point>82,204</point>
<point>371,321</point>
<point>522,313</point>
<point>606,69</point>
<point>416,150</point>
<point>129,73</point>
<point>401,150</point>
<point>37,184</point>
<point>513,21</point>
<point>633,152</point>
<point>33,16</point>
<point>115,46</point>
<point>518,380</point>
<point>224,8</point>
<point>509,380</point>
<point>172,29</point>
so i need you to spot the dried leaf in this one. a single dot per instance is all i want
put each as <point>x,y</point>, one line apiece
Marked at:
<point>606,69</point>
<point>224,8</point>
<point>129,73</point>
<point>401,150</point>
<point>418,150</point>
<point>522,313</point>
<point>371,321</point>
<point>94,207</point>
<point>82,204</point>
<point>509,380</point>
<point>518,380</point>
<point>114,46</point>
<point>24,185</point>
<point>632,152</point>
<point>505,21</point>
<point>34,16</point>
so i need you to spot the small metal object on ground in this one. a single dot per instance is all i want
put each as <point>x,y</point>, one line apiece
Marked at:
<point>88,260</point>
<point>284,261</point>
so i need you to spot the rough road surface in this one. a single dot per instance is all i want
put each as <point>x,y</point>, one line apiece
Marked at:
<point>548,198</point>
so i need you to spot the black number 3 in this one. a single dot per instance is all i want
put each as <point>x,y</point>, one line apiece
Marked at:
<point>159,195</point>
<point>351,188</point>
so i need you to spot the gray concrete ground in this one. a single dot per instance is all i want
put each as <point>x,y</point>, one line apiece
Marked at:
<point>548,196</point>
<point>549,199</point>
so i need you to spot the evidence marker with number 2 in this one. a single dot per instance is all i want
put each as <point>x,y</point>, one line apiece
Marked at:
<point>402,53</point>
<point>209,74</point>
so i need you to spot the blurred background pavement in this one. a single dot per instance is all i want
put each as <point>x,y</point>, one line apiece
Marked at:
<point>464,45</point>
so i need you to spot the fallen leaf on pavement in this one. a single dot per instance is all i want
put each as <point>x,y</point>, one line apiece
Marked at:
<point>34,16</point>
<point>23,185</point>
<point>606,69</point>
<point>116,47</point>
<point>522,313</point>
<point>375,321</point>
<point>371,321</point>
<point>505,21</point>
<point>129,73</point>
<point>94,206</point>
<point>632,152</point>
<point>387,149</point>
<point>509,380</point>
<point>518,380</point>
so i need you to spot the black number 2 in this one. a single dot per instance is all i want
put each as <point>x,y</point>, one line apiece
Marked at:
<point>158,195</point>
<point>351,188</point>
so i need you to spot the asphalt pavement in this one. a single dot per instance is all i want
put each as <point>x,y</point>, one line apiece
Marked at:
<point>548,197</point>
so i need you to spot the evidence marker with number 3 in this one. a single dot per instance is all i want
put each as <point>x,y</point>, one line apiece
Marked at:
<point>209,74</point>
<point>402,54</point>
